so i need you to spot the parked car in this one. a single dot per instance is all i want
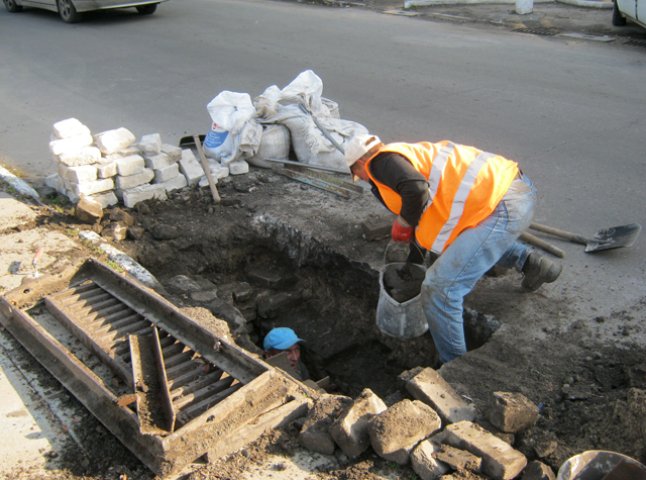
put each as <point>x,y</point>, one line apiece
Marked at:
<point>633,10</point>
<point>71,11</point>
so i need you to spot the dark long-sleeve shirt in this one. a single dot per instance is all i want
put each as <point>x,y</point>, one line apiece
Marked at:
<point>399,174</point>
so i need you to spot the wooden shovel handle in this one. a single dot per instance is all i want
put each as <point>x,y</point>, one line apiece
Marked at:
<point>207,169</point>
<point>557,232</point>
<point>537,242</point>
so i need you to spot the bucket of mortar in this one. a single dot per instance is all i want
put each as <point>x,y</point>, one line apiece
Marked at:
<point>601,465</point>
<point>399,309</point>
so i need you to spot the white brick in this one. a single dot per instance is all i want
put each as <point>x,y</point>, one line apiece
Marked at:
<point>106,199</point>
<point>56,182</point>
<point>82,156</point>
<point>133,196</point>
<point>90,188</point>
<point>112,141</point>
<point>84,173</point>
<point>173,152</point>
<point>176,183</point>
<point>190,167</point>
<point>150,144</point>
<point>70,145</point>
<point>168,173</point>
<point>159,161</point>
<point>107,170</point>
<point>70,127</point>
<point>238,167</point>
<point>131,150</point>
<point>131,181</point>
<point>130,165</point>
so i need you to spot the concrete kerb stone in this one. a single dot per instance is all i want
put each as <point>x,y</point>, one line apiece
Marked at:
<point>411,4</point>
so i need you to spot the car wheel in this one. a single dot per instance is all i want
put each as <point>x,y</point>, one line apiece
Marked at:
<point>67,11</point>
<point>12,6</point>
<point>618,20</point>
<point>147,9</point>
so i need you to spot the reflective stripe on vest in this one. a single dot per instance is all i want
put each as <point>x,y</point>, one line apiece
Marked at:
<point>457,207</point>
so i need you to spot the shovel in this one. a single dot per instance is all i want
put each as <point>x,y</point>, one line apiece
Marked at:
<point>606,239</point>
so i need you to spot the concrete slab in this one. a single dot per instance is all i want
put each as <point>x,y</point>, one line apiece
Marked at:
<point>14,213</point>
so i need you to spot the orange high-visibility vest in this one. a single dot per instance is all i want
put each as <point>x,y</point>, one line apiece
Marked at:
<point>465,185</point>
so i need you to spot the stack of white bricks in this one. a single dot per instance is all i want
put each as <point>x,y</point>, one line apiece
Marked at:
<point>112,166</point>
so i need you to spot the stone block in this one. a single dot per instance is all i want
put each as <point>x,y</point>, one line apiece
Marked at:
<point>90,188</point>
<point>424,464</point>
<point>512,412</point>
<point>133,196</point>
<point>130,165</point>
<point>176,183</point>
<point>88,210</point>
<point>82,156</point>
<point>158,161</point>
<point>167,173</point>
<point>239,167</point>
<point>107,199</point>
<point>173,152</point>
<point>107,170</point>
<point>499,460</point>
<point>190,167</point>
<point>458,459</point>
<point>70,127</point>
<point>56,182</point>
<point>428,386</point>
<point>396,431</point>
<point>132,181</point>
<point>351,430</point>
<point>315,434</point>
<point>113,141</point>
<point>70,145</point>
<point>81,174</point>
<point>150,144</point>
<point>536,470</point>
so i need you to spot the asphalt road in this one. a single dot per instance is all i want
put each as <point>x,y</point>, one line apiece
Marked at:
<point>571,112</point>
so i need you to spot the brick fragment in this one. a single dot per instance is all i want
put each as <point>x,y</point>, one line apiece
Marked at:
<point>424,464</point>
<point>458,459</point>
<point>113,141</point>
<point>315,434</point>
<point>499,460</point>
<point>190,167</point>
<point>536,470</point>
<point>428,386</point>
<point>131,181</point>
<point>88,210</point>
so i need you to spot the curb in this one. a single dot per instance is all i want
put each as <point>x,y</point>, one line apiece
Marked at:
<point>601,4</point>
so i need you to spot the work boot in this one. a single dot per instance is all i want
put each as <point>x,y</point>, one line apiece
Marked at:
<point>539,270</point>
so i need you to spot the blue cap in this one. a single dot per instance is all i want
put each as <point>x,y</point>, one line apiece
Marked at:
<point>280,338</point>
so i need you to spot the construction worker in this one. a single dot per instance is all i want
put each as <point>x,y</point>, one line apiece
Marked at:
<point>284,339</point>
<point>463,204</point>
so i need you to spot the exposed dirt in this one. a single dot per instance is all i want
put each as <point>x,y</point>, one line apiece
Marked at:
<point>278,253</point>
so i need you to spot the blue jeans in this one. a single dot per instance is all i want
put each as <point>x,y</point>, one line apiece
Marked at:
<point>476,250</point>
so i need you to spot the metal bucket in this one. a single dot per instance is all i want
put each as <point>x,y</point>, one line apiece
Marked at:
<point>595,465</point>
<point>403,320</point>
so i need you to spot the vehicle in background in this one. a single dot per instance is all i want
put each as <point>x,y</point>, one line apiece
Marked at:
<point>633,10</point>
<point>71,11</point>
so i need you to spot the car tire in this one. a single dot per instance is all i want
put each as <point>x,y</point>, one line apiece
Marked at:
<point>618,20</point>
<point>12,6</point>
<point>147,9</point>
<point>67,11</point>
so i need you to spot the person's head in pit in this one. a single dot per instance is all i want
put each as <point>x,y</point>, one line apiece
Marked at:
<point>281,339</point>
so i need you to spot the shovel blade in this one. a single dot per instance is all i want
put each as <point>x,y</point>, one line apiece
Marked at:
<point>613,237</point>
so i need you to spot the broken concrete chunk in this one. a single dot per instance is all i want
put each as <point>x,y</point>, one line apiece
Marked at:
<point>132,181</point>
<point>130,165</point>
<point>70,127</point>
<point>89,210</point>
<point>113,141</point>
<point>350,431</point>
<point>190,167</point>
<point>499,460</point>
<point>424,464</point>
<point>428,386</point>
<point>150,144</point>
<point>512,412</point>
<point>115,231</point>
<point>536,470</point>
<point>395,432</point>
<point>133,196</point>
<point>314,434</point>
<point>458,459</point>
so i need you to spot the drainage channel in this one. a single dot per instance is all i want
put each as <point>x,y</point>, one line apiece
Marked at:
<point>167,388</point>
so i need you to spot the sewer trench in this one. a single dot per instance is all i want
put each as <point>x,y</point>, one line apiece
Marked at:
<point>258,274</point>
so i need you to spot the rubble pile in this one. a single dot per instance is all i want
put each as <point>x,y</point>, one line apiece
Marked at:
<point>436,432</point>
